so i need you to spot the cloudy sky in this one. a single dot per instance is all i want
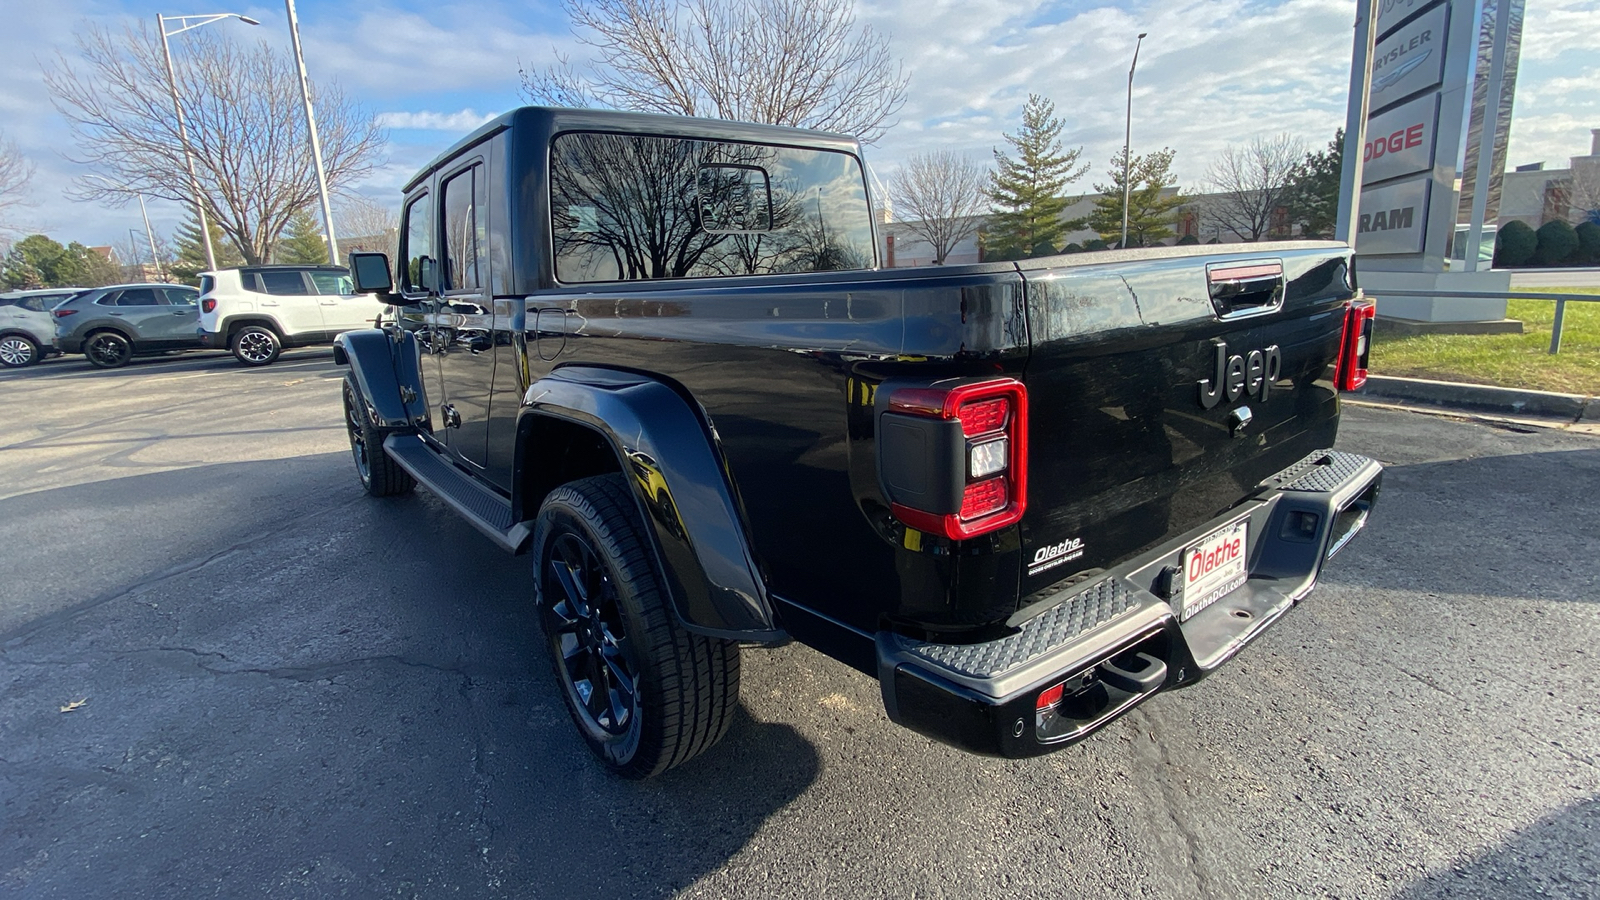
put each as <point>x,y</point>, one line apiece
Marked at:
<point>1212,72</point>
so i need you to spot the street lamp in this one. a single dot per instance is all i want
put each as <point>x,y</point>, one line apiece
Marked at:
<point>1127,139</point>
<point>149,233</point>
<point>311,127</point>
<point>186,23</point>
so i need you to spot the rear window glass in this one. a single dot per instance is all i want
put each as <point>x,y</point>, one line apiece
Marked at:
<point>282,282</point>
<point>332,283</point>
<point>628,207</point>
<point>207,282</point>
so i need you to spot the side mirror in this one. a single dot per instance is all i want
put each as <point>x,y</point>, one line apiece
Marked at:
<point>371,273</point>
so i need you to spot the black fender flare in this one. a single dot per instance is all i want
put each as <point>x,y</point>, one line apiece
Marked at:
<point>668,455</point>
<point>387,368</point>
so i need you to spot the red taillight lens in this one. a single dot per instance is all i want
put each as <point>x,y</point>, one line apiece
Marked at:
<point>209,304</point>
<point>983,416</point>
<point>1355,346</point>
<point>993,481</point>
<point>63,313</point>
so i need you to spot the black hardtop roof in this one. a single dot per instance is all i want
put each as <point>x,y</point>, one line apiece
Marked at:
<point>552,120</point>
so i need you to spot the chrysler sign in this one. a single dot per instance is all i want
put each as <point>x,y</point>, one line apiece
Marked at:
<point>1400,141</point>
<point>1409,60</point>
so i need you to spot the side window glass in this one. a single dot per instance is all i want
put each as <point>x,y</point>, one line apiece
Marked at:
<point>180,297</point>
<point>418,272</point>
<point>109,298</point>
<point>283,283</point>
<point>139,297</point>
<point>332,283</point>
<point>629,207</point>
<point>465,224</point>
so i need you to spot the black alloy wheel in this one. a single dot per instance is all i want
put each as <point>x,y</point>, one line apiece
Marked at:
<point>17,351</point>
<point>589,640</point>
<point>645,693</point>
<point>380,475</point>
<point>108,350</point>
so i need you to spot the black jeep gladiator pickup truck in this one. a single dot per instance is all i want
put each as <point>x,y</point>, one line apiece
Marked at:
<point>658,355</point>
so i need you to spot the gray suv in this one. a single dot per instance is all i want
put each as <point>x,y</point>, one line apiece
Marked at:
<point>27,331</point>
<point>111,325</point>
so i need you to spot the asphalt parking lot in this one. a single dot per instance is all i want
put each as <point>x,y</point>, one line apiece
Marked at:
<point>226,672</point>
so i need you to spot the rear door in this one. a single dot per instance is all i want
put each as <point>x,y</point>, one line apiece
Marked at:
<point>342,308</point>
<point>147,314</point>
<point>1162,391</point>
<point>289,300</point>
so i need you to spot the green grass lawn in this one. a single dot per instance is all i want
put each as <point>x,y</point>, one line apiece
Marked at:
<point>1509,360</point>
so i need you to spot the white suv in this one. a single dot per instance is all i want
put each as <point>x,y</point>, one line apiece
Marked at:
<point>256,311</point>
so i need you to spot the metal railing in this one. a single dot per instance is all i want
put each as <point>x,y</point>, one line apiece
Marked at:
<point>1560,301</point>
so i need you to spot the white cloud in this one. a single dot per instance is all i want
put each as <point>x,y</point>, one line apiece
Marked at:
<point>461,121</point>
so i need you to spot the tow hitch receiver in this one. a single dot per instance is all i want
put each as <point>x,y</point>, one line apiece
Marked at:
<point>1070,708</point>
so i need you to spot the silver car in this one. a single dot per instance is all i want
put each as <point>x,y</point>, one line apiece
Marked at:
<point>111,325</point>
<point>27,330</point>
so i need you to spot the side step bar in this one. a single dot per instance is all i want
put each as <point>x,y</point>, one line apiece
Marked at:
<point>487,511</point>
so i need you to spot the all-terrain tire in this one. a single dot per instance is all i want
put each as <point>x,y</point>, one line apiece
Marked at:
<point>684,686</point>
<point>380,475</point>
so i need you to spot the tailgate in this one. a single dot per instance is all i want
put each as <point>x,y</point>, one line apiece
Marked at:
<point>1134,437</point>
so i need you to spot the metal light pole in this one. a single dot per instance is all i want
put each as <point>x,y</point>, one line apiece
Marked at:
<point>311,127</point>
<point>1127,140</point>
<point>149,232</point>
<point>1346,224</point>
<point>177,108</point>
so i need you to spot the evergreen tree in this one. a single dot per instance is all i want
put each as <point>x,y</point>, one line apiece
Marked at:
<point>302,242</point>
<point>1150,215</point>
<point>191,259</point>
<point>36,261</point>
<point>1313,194</point>
<point>1028,192</point>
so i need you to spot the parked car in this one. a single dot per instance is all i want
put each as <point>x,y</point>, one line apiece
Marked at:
<point>256,311</point>
<point>27,330</point>
<point>113,324</point>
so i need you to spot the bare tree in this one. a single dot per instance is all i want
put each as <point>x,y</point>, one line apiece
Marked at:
<point>781,62</point>
<point>16,171</point>
<point>940,197</point>
<point>245,122</point>
<point>1251,182</point>
<point>365,224</point>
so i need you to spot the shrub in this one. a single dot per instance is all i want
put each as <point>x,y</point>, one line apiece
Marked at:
<point>1073,247</point>
<point>1188,240</point>
<point>1043,248</point>
<point>1514,245</point>
<point>1094,244</point>
<point>1588,244</point>
<point>1557,242</point>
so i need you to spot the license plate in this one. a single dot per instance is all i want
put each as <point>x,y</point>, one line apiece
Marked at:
<point>1214,567</point>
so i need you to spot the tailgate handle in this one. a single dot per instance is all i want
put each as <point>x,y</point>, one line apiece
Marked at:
<point>1245,288</point>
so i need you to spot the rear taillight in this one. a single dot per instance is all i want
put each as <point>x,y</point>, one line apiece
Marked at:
<point>1355,346</point>
<point>985,428</point>
<point>209,304</point>
<point>63,313</point>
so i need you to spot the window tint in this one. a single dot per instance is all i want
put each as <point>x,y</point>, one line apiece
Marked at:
<point>207,283</point>
<point>332,283</point>
<point>628,207</point>
<point>282,283</point>
<point>466,240</point>
<point>178,296</point>
<point>417,274</point>
<point>139,297</point>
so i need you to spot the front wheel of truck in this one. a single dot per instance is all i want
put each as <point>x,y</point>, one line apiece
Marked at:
<point>645,693</point>
<point>380,475</point>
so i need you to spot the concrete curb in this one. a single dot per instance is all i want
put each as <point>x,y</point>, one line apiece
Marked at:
<point>1510,401</point>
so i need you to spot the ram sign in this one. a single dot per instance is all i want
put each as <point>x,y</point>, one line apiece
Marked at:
<point>1393,218</point>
